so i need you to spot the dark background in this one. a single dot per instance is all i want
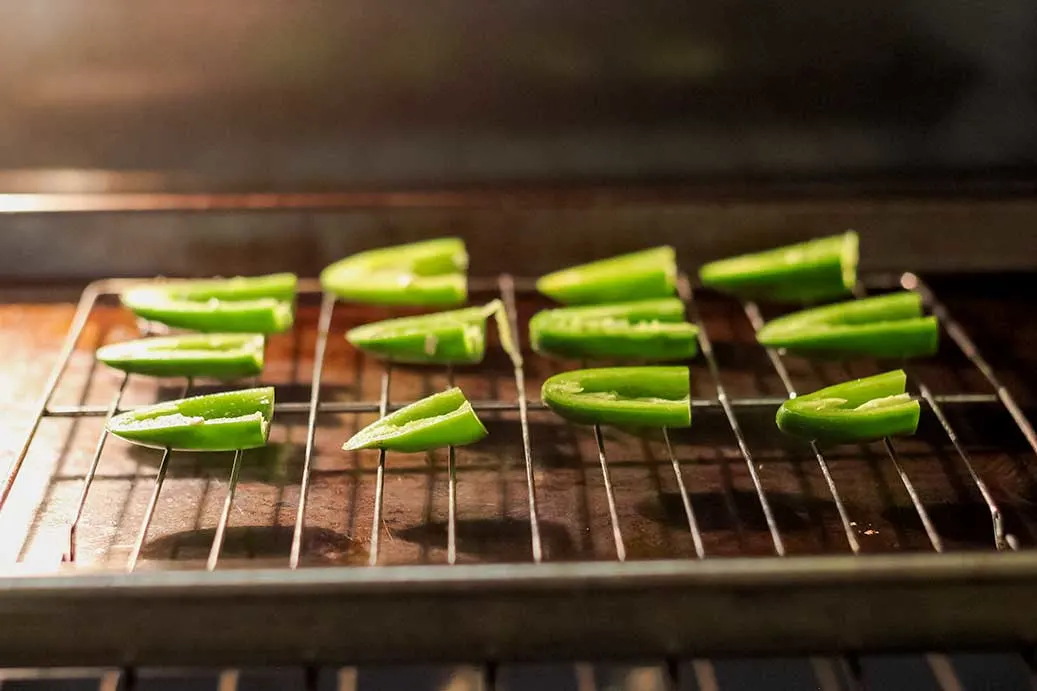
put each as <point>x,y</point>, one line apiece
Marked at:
<point>215,95</point>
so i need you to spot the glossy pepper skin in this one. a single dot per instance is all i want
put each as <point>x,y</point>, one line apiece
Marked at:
<point>214,422</point>
<point>624,396</point>
<point>223,356</point>
<point>857,411</point>
<point>429,273</point>
<point>886,326</point>
<point>256,304</point>
<point>645,330</point>
<point>810,271</point>
<point>641,275</point>
<point>443,419</point>
<point>454,337</point>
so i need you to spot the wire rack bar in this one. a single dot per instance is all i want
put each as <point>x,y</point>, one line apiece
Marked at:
<point>916,499</point>
<point>379,487</point>
<point>958,334</point>
<point>684,289</point>
<point>327,309</point>
<point>298,407</point>
<point>610,495</point>
<point>79,319</point>
<point>149,512</point>
<point>228,502</point>
<point>451,522</point>
<point>1000,541</point>
<point>756,319</point>
<point>91,473</point>
<point>689,511</point>
<point>506,285</point>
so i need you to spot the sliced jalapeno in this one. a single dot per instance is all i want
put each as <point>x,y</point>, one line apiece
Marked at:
<point>885,326</point>
<point>429,273</point>
<point>224,356</point>
<point>214,422</point>
<point>258,304</point>
<point>454,337</point>
<point>641,275</point>
<point>622,396</point>
<point>644,330</point>
<point>857,411</point>
<point>806,272</point>
<point>443,419</point>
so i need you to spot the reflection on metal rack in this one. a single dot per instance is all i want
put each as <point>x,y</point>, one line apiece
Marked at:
<point>506,287</point>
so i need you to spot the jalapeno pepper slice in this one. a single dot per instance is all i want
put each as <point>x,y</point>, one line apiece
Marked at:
<point>622,396</point>
<point>256,304</point>
<point>429,273</point>
<point>646,330</point>
<point>215,422</point>
<point>223,356</point>
<point>443,419</point>
<point>454,337</point>
<point>650,273</point>
<point>885,326</point>
<point>806,272</point>
<point>857,411</point>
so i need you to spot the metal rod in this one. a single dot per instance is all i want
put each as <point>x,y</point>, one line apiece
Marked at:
<point>684,289</point>
<point>79,319</point>
<point>149,512</point>
<point>507,290</point>
<point>916,499</point>
<point>752,312</point>
<point>451,529</point>
<point>379,486</point>
<point>912,282</point>
<point>693,525</point>
<point>298,407</point>
<point>617,532</point>
<point>995,513</point>
<point>327,309</point>
<point>92,471</point>
<point>228,502</point>
<point>944,672</point>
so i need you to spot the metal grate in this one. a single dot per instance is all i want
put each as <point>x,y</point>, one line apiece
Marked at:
<point>738,404</point>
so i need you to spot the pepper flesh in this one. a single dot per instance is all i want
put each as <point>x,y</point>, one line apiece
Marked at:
<point>215,422</point>
<point>454,337</point>
<point>623,396</point>
<point>806,272</point>
<point>644,330</point>
<point>223,356</point>
<point>885,326</point>
<point>857,411</point>
<point>429,273</point>
<point>255,304</point>
<point>641,275</point>
<point>443,419</point>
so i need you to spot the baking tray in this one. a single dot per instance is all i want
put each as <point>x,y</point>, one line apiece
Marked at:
<point>547,540</point>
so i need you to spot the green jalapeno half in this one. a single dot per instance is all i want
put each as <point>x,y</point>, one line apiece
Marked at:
<point>857,411</point>
<point>624,396</point>
<point>429,273</point>
<point>641,275</point>
<point>806,272</point>
<point>443,419</point>
<point>215,422</point>
<point>223,356</point>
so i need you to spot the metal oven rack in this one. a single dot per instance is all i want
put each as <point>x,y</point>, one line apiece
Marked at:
<point>532,606</point>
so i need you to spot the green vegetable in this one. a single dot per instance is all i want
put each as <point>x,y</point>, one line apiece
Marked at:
<point>260,304</point>
<point>807,272</point>
<point>224,356</point>
<point>857,411</point>
<point>429,273</point>
<point>622,396</point>
<point>647,274</point>
<point>443,419</point>
<point>641,330</point>
<point>214,422</point>
<point>885,326</point>
<point>457,337</point>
